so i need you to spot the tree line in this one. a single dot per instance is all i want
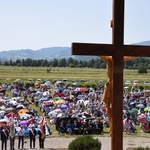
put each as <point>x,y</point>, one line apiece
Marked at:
<point>70,62</point>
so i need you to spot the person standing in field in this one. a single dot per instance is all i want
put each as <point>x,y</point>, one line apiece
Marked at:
<point>42,132</point>
<point>41,138</point>
<point>4,138</point>
<point>32,135</point>
<point>21,136</point>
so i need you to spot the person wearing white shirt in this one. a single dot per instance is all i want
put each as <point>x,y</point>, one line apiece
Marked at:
<point>21,136</point>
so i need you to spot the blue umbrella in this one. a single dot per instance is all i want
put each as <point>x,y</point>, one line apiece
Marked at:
<point>25,116</point>
<point>43,99</point>
<point>132,103</point>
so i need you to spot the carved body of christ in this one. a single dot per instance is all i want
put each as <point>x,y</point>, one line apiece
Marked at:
<point>114,54</point>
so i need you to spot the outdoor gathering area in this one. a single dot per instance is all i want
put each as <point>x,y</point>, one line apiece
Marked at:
<point>71,110</point>
<point>93,94</point>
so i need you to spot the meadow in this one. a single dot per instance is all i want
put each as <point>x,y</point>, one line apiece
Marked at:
<point>9,74</point>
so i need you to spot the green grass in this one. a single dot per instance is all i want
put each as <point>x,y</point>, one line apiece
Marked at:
<point>60,73</point>
<point>56,73</point>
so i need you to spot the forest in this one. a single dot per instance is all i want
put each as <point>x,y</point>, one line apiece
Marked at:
<point>74,63</point>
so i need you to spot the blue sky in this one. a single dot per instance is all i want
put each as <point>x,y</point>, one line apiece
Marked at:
<point>35,24</point>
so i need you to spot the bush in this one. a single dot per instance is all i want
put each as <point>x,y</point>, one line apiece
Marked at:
<point>86,142</point>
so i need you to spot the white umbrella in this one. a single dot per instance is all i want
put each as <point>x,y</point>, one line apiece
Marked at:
<point>52,114</point>
<point>15,98</point>
<point>86,102</point>
<point>46,93</point>
<point>57,110</point>
<point>14,103</point>
<point>81,101</point>
<point>60,115</point>
<point>20,106</point>
<point>140,106</point>
<point>2,112</point>
<point>4,120</point>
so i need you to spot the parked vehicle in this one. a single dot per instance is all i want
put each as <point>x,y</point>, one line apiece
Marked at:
<point>128,82</point>
<point>135,82</point>
<point>40,81</point>
<point>147,82</point>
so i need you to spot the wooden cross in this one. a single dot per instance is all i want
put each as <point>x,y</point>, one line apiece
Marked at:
<point>117,50</point>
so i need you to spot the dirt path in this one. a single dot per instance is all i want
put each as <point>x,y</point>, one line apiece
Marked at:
<point>63,142</point>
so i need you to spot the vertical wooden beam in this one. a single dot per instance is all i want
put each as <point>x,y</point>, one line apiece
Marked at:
<point>117,105</point>
<point>118,23</point>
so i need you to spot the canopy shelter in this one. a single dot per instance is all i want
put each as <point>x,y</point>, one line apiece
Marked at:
<point>114,54</point>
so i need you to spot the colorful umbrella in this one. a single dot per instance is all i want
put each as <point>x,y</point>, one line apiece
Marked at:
<point>59,101</point>
<point>131,103</point>
<point>83,89</point>
<point>142,118</point>
<point>10,114</point>
<point>23,122</point>
<point>37,85</point>
<point>133,111</point>
<point>140,106</point>
<point>25,116</point>
<point>13,103</point>
<point>46,102</point>
<point>52,114</point>
<point>147,109</point>
<point>43,99</point>
<point>4,120</point>
<point>56,98</point>
<point>63,106</point>
<point>20,106</point>
<point>22,111</point>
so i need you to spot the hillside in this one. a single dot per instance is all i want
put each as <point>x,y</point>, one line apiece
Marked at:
<point>47,53</point>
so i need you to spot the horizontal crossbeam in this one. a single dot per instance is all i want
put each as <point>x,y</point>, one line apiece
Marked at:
<point>92,49</point>
<point>136,50</point>
<point>109,50</point>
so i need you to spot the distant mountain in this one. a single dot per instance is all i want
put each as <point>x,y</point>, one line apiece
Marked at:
<point>47,53</point>
<point>142,43</point>
<point>44,53</point>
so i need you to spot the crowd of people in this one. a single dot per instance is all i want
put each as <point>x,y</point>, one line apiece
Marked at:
<point>73,110</point>
<point>18,120</point>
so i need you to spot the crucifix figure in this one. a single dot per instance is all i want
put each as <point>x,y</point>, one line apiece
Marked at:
<point>114,54</point>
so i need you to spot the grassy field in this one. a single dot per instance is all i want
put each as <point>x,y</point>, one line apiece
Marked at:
<point>62,73</point>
